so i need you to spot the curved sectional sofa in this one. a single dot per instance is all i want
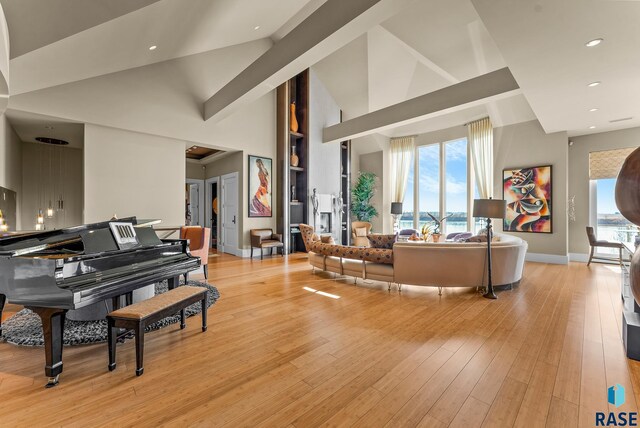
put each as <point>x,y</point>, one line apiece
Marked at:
<point>448,264</point>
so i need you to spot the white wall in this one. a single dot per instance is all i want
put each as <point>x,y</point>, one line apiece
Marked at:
<point>324,159</point>
<point>579,177</point>
<point>47,173</point>
<point>524,145</point>
<point>238,162</point>
<point>374,163</point>
<point>369,144</point>
<point>165,99</point>
<point>195,171</point>
<point>10,164</point>
<point>128,173</point>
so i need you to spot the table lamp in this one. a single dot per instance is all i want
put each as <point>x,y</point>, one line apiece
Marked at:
<point>489,208</point>
<point>396,211</point>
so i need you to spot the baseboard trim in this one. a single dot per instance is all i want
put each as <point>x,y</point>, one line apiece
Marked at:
<point>547,258</point>
<point>246,253</point>
<point>579,257</point>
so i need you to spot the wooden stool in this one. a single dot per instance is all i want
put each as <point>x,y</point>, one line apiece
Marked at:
<point>137,316</point>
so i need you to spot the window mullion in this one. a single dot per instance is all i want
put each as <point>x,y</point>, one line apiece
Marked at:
<point>471,181</point>
<point>416,187</point>
<point>442,184</point>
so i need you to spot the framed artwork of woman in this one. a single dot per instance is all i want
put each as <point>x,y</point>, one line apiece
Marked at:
<point>260,197</point>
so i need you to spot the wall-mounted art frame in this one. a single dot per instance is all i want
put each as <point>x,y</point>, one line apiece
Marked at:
<point>260,196</point>
<point>528,193</point>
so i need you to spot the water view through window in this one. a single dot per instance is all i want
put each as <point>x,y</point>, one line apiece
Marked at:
<point>611,225</point>
<point>430,186</point>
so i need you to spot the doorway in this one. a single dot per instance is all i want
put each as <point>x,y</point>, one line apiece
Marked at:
<point>229,213</point>
<point>194,203</point>
<point>212,212</point>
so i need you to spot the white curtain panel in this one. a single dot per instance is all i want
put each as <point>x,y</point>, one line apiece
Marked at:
<point>480,137</point>
<point>402,149</point>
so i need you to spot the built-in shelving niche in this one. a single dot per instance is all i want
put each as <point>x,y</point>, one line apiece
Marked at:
<point>292,209</point>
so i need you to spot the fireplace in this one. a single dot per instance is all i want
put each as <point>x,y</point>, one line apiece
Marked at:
<point>325,223</point>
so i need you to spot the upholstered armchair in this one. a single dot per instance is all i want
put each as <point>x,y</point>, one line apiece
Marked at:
<point>198,238</point>
<point>265,238</point>
<point>359,232</point>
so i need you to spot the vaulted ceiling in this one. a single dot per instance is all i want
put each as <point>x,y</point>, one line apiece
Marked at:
<point>89,61</point>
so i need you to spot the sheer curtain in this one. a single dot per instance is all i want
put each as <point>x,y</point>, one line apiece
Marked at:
<point>402,149</point>
<point>480,133</point>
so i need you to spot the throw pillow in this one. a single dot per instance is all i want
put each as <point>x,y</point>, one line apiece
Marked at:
<point>315,237</point>
<point>382,241</point>
<point>361,231</point>
<point>328,240</point>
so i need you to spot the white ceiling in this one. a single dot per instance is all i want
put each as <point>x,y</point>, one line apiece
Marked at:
<point>543,42</point>
<point>177,27</point>
<point>30,21</point>
<point>96,59</point>
<point>28,126</point>
<point>429,46</point>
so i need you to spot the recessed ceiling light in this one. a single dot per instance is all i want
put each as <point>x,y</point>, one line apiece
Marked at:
<point>257,27</point>
<point>594,42</point>
<point>593,109</point>
<point>592,84</point>
<point>592,127</point>
<point>152,48</point>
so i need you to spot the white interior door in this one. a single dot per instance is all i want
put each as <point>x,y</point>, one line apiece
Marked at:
<point>230,213</point>
<point>195,209</point>
<point>194,190</point>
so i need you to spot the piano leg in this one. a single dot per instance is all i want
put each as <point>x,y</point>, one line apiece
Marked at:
<point>173,282</point>
<point>3,299</point>
<point>52,329</point>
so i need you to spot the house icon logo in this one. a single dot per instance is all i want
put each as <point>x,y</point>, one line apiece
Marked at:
<point>615,395</point>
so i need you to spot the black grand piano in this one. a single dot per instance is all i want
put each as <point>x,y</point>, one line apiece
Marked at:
<point>56,271</point>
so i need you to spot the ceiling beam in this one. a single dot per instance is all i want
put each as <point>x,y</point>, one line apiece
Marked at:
<point>495,85</point>
<point>331,26</point>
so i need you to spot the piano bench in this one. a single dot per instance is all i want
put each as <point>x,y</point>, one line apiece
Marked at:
<point>137,316</point>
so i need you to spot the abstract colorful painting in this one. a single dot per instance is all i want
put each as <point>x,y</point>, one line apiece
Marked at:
<point>259,186</point>
<point>528,195</point>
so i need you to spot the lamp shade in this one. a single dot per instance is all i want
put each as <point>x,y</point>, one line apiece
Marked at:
<point>396,207</point>
<point>489,208</point>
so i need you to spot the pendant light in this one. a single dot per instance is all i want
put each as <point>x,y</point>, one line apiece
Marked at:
<point>4,227</point>
<point>39,217</point>
<point>50,207</point>
<point>61,184</point>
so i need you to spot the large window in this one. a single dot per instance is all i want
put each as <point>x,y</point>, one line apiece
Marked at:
<point>610,224</point>
<point>456,197</point>
<point>428,183</point>
<point>439,183</point>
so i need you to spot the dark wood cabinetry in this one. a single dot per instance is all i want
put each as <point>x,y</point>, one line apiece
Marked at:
<point>345,188</point>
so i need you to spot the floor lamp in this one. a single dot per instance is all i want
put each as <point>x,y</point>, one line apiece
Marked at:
<point>489,208</point>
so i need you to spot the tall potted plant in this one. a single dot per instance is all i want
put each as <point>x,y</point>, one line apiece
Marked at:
<point>361,195</point>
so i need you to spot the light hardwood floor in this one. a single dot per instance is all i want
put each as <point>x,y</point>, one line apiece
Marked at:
<point>278,355</point>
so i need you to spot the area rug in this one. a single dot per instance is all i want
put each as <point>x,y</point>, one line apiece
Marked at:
<point>25,327</point>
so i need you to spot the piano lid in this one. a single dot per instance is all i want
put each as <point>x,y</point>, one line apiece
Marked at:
<point>18,245</point>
